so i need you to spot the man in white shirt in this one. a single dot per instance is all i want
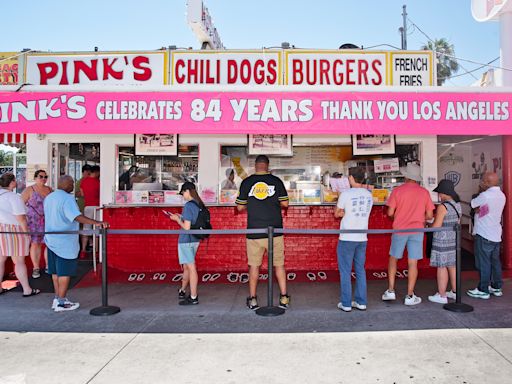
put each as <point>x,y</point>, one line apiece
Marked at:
<point>488,230</point>
<point>354,206</point>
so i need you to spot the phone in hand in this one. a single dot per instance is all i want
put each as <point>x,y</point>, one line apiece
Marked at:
<point>166,213</point>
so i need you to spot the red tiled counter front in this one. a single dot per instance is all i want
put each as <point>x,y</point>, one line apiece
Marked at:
<point>224,253</point>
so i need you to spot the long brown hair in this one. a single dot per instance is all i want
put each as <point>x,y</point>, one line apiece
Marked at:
<point>195,196</point>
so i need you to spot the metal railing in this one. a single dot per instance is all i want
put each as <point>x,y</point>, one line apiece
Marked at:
<point>270,310</point>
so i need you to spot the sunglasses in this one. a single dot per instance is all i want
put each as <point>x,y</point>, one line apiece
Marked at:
<point>43,177</point>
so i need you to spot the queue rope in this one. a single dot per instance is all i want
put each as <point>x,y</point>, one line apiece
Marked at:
<point>270,310</point>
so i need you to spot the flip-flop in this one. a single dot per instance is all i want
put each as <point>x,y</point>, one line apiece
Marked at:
<point>3,290</point>
<point>33,293</point>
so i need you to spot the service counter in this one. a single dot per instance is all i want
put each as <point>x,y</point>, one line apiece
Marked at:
<point>151,254</point>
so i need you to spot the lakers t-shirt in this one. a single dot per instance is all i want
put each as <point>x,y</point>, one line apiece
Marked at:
<point>263,194</point>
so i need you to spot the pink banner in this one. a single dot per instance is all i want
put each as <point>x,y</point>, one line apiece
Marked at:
<point>309,113</point>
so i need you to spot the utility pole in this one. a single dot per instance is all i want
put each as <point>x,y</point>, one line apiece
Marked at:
<point>403,29</point>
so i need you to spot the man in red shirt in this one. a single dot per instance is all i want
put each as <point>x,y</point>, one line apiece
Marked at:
<point>409,206</point>
<point>90,190</point>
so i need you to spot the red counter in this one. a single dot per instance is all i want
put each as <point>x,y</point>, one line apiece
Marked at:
<point>305,255</point>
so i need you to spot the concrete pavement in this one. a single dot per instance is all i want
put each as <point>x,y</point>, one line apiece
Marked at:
<point>153,340</point>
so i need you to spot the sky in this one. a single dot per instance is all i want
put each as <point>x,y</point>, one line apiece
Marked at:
<point>72,25</point>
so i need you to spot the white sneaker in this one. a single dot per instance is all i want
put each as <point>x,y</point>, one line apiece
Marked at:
<point>437,298</point>
<point>495,291</point>
<point>478,294</point>
<point>67,306</point>
<point>451,295</point>
<point>344,309</point>
<point>412,300</point>
<point>388,295</point>
<point>356,305</point>
<point>55,302</point>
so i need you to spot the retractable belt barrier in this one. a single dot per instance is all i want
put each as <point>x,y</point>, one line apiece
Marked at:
<point>270,309</point>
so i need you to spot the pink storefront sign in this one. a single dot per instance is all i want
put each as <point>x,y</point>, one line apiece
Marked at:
<point>307,113</point>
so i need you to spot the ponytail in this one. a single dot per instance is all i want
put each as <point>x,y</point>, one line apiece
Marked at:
<point>195,196</point>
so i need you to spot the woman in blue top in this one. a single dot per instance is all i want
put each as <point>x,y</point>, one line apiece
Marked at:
<point>188,244</point>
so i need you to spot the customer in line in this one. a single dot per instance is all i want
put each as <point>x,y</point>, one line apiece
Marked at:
<point>188,244</point>
<point>62,214</point>
<point>86,172</point>
<point>488,231</point>
<point>409,206</point>
<point>354,207</point>
<point>263,195</point>
<point>444,252</point>
<point>90,190</point>
<point>16,246</point>
<point>33,197</point>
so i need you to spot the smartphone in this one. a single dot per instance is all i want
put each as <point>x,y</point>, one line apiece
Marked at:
<point>166,213</point>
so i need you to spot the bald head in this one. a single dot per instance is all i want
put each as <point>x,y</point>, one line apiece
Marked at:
<point>66,183</point>
<point>490,179</point>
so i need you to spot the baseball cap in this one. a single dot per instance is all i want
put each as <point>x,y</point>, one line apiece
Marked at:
<point>187,186</point>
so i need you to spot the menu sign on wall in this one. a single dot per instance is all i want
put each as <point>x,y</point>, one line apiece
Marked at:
<point>97,68</point>
<point>226,68</point>
<point>358,68</point>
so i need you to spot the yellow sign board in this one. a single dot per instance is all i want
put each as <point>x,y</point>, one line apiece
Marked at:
<point>8,68</point>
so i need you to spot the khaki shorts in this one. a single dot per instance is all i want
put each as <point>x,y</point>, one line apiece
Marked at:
<point>257,247</point>
<point>89,212</point>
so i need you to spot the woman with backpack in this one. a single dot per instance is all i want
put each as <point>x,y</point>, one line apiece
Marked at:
<point>444,253</point>
<point>188,244</point>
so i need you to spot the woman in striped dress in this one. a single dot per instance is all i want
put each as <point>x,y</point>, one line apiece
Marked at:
<point>444,252</point>
<point>16,246</point>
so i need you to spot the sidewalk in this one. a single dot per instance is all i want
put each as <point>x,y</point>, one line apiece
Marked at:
<point>153,340</point>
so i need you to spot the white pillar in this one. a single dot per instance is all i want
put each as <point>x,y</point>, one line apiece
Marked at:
<point>506,47</point>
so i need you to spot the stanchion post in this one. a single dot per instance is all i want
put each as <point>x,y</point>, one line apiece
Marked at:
<point>458,306</point>
<point>105,309</point>
<point>270,310</point>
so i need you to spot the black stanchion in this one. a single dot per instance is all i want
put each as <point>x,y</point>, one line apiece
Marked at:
<point>458,306</point>
<point>270,309</point>
<point>104,309</point>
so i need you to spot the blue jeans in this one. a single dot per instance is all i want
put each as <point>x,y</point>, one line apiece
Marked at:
<point>352,252</point>
<point>488,263</point>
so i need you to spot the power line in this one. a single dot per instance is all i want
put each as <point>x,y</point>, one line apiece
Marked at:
<point>473,70</point>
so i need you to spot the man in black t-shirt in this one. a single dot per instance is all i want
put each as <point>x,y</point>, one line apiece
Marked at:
<point>263,195</point>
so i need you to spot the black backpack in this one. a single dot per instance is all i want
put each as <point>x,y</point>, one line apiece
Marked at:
<point>202,221</point>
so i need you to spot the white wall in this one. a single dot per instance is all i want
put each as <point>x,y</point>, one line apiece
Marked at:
<point>39,152</point>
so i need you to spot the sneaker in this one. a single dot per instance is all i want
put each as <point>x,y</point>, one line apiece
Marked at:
<point>451,295</point>
<point>55,302</point>
<point>67,306</point>
<point>356,305</point>
<point>344,309</point>
<point>495,291</point>
<point>190,301</point>
<point>284,301</point>
<point>412,300</point>
<point>181,295</point>
<point>36,274</point>
<point>437,298</point>
<point>388,295</point>
<point>252,302</point>
<point>478,294</point>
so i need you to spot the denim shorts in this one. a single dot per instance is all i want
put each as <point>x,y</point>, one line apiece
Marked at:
<point>187,252</point>
<point>414,242</point>
<point>60,266</point>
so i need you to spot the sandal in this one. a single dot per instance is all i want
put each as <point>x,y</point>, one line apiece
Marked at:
<point>33,293</point>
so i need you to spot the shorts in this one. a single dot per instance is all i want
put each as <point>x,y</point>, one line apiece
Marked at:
<point>257,247</point>
<point>187,252</point>
<point>89,212</point>
<point>414,244</point>
<point>13,244</point>
<point>60,266</point>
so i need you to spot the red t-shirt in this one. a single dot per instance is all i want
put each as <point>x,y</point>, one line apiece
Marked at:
<point>411,202</point>
<point>91,188</point>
